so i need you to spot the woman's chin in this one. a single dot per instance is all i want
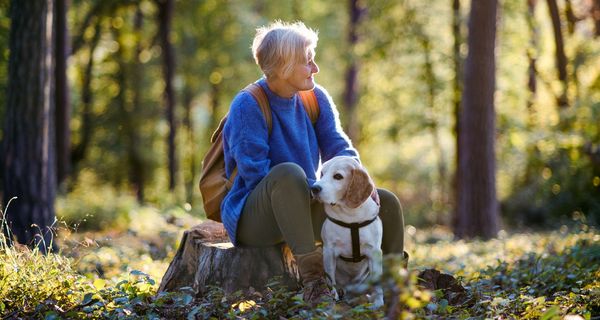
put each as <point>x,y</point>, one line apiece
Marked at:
<point>309,85</point>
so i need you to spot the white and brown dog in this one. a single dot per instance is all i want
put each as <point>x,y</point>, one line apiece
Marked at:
<point>352,232</point>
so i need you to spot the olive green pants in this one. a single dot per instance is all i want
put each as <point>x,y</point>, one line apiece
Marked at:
<point>280,209</point>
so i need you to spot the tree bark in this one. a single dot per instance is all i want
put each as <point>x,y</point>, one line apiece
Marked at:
<point>532,52</point>
<point>191,145</point>
<point>561,58</point>
<point>206,257</point>
<point>165,16</point>
<point>595,14</point>
<point>456,86</point>
<point>136,159</point>
<point>351,90</point>
<point>29,132</point>
<point>571,18</point>
<point>477,207</point>
<point>63,100</point>
<point>79,151</point>
<point>431,81</point>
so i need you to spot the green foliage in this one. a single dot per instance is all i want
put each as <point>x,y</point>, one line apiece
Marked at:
<point>542,286</point>
<point>405,98</point>
<point>94,206</point>
<point>555,191</point>
<point>33,283</point>
<point>523,276</point>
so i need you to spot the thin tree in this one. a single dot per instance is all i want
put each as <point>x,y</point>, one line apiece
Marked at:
<point>561,58</point>
<point>63,101</point>
<point>532,51</point>
<point>165,18</point>
<point>595,14</point>
<point>457,60</point>
<point>79,151</point>
<point>476,213</point>
<point>136,160</point>
<point>29,132</point>
<point>357,11</point>
<point>432,122</point>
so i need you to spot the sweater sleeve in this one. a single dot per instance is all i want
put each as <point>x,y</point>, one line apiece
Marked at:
<point>246,140</point>
<point>332,139</point>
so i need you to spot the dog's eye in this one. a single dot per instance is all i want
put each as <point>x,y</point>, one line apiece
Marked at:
<point>338,176</point>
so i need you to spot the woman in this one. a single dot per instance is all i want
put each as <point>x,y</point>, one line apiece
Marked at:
<point>270,199</point>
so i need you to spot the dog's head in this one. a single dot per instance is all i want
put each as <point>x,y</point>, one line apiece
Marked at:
<point>343,182</point>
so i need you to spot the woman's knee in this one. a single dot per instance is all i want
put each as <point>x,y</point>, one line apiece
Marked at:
<point>389,201</point>
<point>288,174</point>
<point>393,222</point>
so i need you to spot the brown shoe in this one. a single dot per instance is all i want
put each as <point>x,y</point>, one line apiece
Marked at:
<point>317,291</point>
<point>310,267</point>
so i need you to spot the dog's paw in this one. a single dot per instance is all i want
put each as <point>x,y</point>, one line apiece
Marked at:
<point>378,303</point>
<point>335,294</point>
<point>376,299</point>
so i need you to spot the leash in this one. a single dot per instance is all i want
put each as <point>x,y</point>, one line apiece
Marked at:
<point>355,236</point>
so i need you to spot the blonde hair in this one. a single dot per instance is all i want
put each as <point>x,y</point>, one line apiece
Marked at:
<point>280,45</point>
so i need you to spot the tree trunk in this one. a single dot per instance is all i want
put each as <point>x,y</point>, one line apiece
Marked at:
<point>136,159</point>
<point>533,153</point>
<point>532,52</point>
<point>431,82</point>
<point>595,14</point>
<point>477,206</point>
<point>351,90</point>
<point>205,257</point>
<point>571,18</point>
<point>561,58</point>
<point>29,132</point>
<point>456,86</point>
<point>63,101</point>
<point>165,16</point>
<point>188,124</point>
<point>79,151</point>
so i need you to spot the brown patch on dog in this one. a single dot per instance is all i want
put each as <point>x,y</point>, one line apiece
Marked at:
<point>359,189</point>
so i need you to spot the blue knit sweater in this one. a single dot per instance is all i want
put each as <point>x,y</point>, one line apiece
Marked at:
<point>247,143</point>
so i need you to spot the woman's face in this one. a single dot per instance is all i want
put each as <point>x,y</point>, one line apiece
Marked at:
<point>301,78</point>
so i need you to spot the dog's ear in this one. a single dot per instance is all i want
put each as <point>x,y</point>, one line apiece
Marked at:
<point>359,189</point>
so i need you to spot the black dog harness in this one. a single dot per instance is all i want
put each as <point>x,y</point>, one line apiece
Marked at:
<point>355,236</point>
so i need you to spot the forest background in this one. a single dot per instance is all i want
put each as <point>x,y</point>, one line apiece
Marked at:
<point>145,83</point>
<point>104,127</point>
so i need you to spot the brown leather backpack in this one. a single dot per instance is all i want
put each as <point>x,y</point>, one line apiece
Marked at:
<point>214,184</point>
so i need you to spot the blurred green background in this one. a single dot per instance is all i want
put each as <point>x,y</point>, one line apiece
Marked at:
<point>548,158</point>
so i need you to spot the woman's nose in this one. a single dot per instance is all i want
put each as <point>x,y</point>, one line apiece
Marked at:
<point>314,67</point>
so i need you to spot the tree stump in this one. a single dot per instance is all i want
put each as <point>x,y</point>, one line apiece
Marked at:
<point>206,257</point>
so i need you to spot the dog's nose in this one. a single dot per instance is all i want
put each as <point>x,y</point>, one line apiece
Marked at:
<point>315,189</point>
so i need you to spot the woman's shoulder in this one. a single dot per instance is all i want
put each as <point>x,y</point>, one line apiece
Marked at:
<point>244,111</point>
<point>320,90</point>
<point>244,105</point>
<point>323,96</point>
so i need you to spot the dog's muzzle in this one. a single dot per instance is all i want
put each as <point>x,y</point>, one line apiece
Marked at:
<point>315,190</point>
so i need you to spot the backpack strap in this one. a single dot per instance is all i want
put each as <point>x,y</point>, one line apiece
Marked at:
<point>311,105</point>
<point>263,102</point>
<point>309,100</point>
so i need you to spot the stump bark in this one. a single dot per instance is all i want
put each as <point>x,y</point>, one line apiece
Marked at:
<point>206,257</point>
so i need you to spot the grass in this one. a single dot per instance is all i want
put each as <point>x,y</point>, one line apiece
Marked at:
<point>114,275</point>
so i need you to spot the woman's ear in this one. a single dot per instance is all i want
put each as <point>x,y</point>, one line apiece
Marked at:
<point>359,189</point>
